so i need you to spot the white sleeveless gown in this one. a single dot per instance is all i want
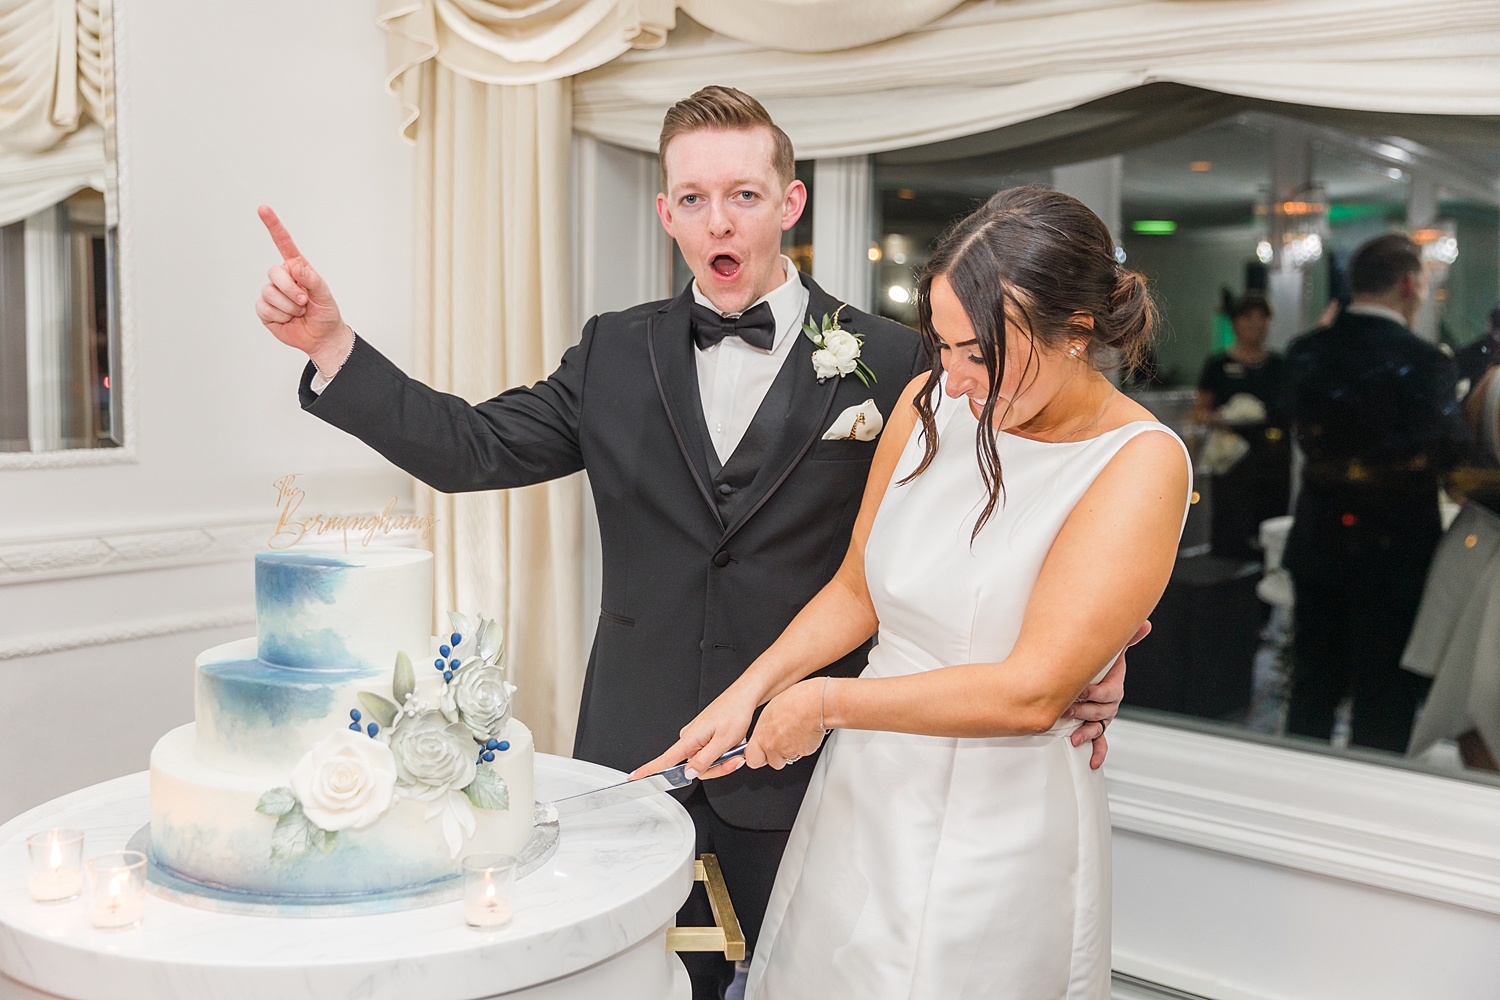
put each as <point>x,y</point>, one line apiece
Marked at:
<point>929,867</point>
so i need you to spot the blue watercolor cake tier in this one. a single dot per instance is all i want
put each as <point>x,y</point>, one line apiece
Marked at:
<point>343,749</point>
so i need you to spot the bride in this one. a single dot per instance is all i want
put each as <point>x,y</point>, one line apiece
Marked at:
<point>1020,521</point>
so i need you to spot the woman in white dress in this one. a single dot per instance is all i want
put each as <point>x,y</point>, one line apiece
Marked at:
<point>953,842</point>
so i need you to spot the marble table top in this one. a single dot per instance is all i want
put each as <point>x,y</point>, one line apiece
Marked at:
<point>619,875</point>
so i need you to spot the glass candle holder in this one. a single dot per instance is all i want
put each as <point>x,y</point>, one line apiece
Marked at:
<point>117,882</point>
<point>56,865</point>
<point>489,890</point>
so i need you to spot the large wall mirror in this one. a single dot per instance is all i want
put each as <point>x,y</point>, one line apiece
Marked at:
<point>1244,214</point>
<point>60,331</point>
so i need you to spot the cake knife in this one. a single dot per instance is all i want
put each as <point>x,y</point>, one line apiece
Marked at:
<point>625,791</point>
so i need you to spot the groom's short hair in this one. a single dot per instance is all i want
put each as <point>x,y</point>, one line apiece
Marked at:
<point>724,108</point>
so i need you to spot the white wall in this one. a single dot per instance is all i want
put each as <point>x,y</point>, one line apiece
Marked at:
<point>223,107</point>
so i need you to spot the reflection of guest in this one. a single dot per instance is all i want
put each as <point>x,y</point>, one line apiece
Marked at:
<point>1482,355</point>
<point>1375,410</point>
<point>1239,393</point>
<point>1456,639</point>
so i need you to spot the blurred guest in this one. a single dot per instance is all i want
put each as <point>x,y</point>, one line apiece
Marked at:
<point>1375,410</point>
<point>1248,453</point>
<point>1454,639</point>
<point>1482,355</point>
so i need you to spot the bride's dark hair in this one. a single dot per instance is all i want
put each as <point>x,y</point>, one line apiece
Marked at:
<point>1051,260</point>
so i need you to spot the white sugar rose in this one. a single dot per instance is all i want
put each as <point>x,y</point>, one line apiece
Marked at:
<point>483,699</point>
<point>345,782</point>
<point>433,752</point>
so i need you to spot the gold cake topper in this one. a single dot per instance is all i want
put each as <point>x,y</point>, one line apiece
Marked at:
<point>291,529</point>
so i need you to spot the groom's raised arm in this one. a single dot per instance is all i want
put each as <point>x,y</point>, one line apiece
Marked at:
<point>520,437</point>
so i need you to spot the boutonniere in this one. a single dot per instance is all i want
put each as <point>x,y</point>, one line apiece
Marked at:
<point>838,349</point>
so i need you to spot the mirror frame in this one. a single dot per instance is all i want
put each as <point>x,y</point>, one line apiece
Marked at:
<point>114,138</point>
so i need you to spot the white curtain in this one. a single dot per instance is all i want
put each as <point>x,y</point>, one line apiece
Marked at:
<point>48,372</point>
<point>51,71</point>
<point>998,62</point>
<point>30,182</point>
<point>493,311</point>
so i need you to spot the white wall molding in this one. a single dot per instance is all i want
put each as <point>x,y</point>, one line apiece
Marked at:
<point>35,560</point>
<point>56,642</point>
<point>1424,835</point>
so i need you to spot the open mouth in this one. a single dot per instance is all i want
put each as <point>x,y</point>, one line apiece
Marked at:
<point>725,266</point>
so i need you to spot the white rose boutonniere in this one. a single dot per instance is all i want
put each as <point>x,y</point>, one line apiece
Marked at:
<point>838,349</point>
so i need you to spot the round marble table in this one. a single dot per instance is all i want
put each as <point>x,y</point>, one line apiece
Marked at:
<point>591,922</point>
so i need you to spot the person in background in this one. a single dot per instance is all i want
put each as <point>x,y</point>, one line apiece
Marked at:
<point>1239,396</point>
<point>1375,409</point>
<point>1479,357</point>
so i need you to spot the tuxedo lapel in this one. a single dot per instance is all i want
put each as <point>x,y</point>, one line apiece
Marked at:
<point>806,416</point>
<point>670,344</point>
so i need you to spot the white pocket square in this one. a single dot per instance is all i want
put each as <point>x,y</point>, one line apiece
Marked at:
<point>857,423</point>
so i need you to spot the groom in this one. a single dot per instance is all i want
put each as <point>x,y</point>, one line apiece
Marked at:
<point>724,503</point>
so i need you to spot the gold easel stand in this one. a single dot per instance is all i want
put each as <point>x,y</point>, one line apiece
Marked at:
<point>725,935</point>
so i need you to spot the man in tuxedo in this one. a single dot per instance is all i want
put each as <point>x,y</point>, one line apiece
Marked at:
<point>723,504</point>
<point>1376,412</point>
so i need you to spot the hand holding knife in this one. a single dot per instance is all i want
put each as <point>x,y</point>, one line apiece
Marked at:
<point>627,791</point>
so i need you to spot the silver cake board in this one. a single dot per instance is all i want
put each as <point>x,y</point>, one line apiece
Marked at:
<point>169,885</point>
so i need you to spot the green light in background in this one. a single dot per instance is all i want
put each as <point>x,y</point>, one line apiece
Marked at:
<point>1154,227</point>
<point>1356,212</point>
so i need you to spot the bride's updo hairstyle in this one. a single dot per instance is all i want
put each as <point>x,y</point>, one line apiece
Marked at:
<point>1051,261</point>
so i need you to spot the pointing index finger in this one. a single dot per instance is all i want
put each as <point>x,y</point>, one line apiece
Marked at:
<point>279,235</point>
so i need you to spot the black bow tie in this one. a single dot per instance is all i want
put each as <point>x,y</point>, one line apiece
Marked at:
<point>755,326</point>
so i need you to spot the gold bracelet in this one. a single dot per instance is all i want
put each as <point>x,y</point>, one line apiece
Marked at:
<point>823,707</point>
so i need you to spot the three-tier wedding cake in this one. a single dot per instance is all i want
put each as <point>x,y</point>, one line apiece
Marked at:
<point>343,751</point>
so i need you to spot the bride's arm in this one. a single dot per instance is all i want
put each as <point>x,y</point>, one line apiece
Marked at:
<point>834,622</point>
<point>1101,578</point>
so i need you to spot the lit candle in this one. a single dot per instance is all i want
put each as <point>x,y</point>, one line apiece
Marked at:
<point>489,881</point>
<point>118,883</point>
<point>56,865</point>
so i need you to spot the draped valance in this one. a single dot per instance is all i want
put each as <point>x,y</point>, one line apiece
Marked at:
<point>993,63</point>
<point>520,42</point>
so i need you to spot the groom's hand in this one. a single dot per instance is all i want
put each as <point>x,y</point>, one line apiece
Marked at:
<point>297,307</point>
<point>1100,703</point>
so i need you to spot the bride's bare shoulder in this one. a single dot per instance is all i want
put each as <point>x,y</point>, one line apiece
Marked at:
<point>1124,410</point>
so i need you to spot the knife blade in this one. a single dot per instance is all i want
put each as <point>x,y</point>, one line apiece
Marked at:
<point>625,791</point>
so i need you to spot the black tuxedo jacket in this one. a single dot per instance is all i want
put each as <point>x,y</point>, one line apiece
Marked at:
<point>704,565</point>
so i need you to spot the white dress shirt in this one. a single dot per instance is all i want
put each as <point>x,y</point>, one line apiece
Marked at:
<point>733,377</point>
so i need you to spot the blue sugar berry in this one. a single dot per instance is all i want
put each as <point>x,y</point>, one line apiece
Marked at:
<point>354,726</point>
<point>452,664</point>
<point>447,675</point>
<point>445,651</point>
<point>504,745</point>
<point>439,664</point>
<point>492,745</point>
<point>354,714</point>
<point>488,755</point>
<point>372,729</point>
<point>455,638</point>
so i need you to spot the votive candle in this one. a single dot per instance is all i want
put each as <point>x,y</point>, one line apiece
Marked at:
<point>56,865</point>
<point>489,890</point>
<point>117,882</point>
